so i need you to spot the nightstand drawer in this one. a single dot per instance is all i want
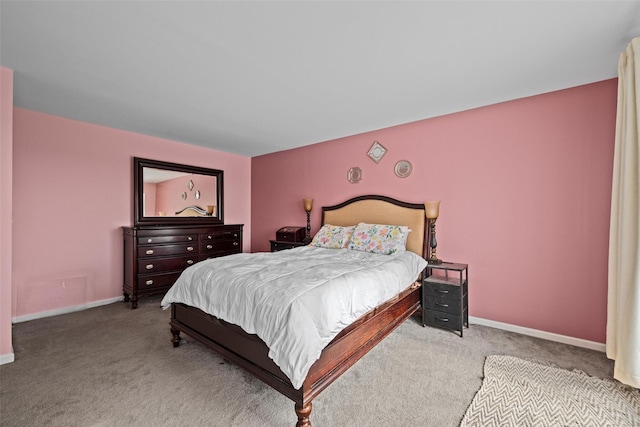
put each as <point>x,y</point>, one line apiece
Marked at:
<point>446,305</point>
<point>438,288</point>
<point>277,245</point>
<point>442,320</point>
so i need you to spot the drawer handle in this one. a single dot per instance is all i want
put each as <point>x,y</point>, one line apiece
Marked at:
<point>235,243</point>
<point>149,266</point>
<point>189,238</point>
<point>209,246</point>
<point>150,252</point>
<point>441,305</point>
<point>442,291</point>
<point>442,319</point>
<point>149,282</point>
<point>189,261</point>
<point>189,248</point>
<point>149,240</point>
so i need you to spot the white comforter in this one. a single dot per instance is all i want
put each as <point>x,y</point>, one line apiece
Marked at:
<point>296,300</point>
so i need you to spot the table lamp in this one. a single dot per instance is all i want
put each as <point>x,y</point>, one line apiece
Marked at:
<point>308,205</point>
<point>432,210</point>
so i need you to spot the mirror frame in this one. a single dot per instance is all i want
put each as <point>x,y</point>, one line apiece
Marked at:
<point>138,190</point>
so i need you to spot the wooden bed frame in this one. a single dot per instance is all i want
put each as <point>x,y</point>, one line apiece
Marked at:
<point>251,353</point>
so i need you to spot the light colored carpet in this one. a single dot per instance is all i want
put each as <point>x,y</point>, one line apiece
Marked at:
<point>517,392</point>
<point>113,366</point>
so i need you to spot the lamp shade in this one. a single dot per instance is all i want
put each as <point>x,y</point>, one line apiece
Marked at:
<point>308,204</point>
<point>432,209</point>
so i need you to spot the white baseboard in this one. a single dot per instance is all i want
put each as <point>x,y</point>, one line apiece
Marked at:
<point>7,358</point>
<point>65,310</point>
<point>578,342</point>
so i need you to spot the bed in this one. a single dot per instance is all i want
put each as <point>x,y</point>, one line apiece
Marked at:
<point>349,345</point>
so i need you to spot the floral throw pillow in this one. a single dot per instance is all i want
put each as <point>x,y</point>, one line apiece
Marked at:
<point>379,238</point>
<point>332,237</point>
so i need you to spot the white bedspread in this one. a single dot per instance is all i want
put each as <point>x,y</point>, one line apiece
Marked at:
<point>296,300</point>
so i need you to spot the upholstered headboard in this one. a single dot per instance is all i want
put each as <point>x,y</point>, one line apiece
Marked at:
<point>382,210</point>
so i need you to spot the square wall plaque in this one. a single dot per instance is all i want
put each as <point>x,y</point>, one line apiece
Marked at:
<point>376,152</point>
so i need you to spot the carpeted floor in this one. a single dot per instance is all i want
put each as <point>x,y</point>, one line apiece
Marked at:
<point>112,366</point>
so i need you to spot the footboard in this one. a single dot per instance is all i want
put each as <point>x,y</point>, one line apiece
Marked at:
<point>251,353</point>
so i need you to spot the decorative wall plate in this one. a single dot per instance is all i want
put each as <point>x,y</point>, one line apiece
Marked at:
<point>190,185</point>
<point>355,175</point>
<point>184,195</point>
<point>197,194</point>
<point>403,169</point>
<point>376,152</point>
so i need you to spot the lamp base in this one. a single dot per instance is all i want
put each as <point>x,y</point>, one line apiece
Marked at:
<point>435,261</point>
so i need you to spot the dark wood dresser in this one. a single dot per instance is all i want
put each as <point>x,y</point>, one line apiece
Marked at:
<point>154,256</point>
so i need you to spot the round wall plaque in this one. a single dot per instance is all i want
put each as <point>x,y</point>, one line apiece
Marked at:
<point>403,169</point>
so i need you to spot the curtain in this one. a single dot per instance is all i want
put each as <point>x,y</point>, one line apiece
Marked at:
<point>623,305</point>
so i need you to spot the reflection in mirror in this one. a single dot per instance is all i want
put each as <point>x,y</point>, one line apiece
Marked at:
<point>165,192</point>
<point>171,193</point>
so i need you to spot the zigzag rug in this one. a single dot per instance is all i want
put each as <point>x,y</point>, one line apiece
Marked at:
<point>517,392</point>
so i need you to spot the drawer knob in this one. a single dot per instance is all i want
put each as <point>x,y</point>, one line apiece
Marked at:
<point>235,234</point>
<point>235,243</point>
<point>209,246</point>
<point>149,240</point>
<point>149,252</point>
<point>189,261</point>
<point>149,282</point>
<point>189,248</point>
<point>209,237</point>
<point>189,238</point>
<point>149,266</point>
<point>441,305</point>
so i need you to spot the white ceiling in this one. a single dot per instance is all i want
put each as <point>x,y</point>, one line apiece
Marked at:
<point>259,77</point>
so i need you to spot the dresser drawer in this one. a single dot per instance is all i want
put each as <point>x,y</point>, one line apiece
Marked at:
<point>157,265</point>
<point>446,305</point>
<point>442,320</point>
<point>154,240</point>
<point>220,235</point>
<point>152,281</point>
<point>204,256</point>
<point>164,250</point>
<point>224,245</point>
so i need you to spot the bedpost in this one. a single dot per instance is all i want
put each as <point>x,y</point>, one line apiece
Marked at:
<point>175,339</point>
<point>303,412</point>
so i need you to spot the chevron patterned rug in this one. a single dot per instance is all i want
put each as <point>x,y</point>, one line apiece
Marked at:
<point>517,392</point>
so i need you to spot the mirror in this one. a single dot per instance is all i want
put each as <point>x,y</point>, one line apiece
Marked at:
<point>171,193</point>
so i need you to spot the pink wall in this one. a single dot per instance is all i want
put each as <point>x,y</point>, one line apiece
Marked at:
<point>6,215</point>
<point>525,189</point>
<point>72,191</point>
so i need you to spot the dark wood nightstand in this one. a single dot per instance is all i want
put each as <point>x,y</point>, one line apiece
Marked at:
<point>445,299</point>
<point>277,245</point>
